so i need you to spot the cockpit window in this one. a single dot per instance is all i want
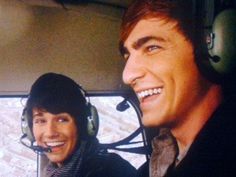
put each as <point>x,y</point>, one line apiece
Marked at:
<point>15,159</point>
<point>116,125</point>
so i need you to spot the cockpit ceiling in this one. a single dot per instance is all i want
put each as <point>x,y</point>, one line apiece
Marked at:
<point>39,39</point>
<point>117,3</point>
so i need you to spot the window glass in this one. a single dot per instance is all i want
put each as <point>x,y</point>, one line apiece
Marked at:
<point>17,160</point>
<point>116,125</point>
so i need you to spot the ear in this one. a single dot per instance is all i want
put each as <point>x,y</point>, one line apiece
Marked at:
<point>93,121</point>
<point>25,126</point>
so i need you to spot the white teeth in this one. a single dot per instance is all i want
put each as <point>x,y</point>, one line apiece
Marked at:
<point>149,92</point>
<point>52,144</point>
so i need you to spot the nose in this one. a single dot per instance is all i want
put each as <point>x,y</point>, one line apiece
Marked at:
<point>133,71</point>
<point>51,130</point>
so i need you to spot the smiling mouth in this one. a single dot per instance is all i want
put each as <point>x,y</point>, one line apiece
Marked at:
<point>149,92</point>
<point>54,144</point>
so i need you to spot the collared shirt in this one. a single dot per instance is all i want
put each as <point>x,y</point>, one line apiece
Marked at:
<point>165,150</point>
<point>181,155</point>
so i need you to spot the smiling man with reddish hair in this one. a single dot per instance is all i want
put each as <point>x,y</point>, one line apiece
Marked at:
<point>162,42</point>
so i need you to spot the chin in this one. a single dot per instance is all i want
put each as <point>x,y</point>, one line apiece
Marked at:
<point>55,159</point>
<point>148,122</point>
<point>151,121</point>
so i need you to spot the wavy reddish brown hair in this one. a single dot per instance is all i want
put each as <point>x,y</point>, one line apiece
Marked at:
<point>181,11</point>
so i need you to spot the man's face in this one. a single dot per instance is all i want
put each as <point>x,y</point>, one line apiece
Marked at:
<point>57,131</point>
<point>162,71</point>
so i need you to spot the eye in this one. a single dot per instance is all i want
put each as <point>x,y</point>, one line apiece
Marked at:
<point>125,53</point>
<point>126,56</point>
<point>152,48</point>
<point>39,120</point>
<point>63,119</point>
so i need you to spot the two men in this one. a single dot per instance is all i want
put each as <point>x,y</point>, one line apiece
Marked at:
<point>164,47</point>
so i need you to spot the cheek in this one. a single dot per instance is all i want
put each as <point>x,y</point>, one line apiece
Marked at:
<point>187,78</point>
<point>37,134</point>
<point>73,134</point>
<point>73,137</point>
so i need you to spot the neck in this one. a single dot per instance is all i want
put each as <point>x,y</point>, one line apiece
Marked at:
<point>194,121</point>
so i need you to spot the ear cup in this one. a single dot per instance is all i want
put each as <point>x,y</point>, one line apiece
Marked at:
<point>25,127</point>
<point>222,43</point>
<point>93,121</point>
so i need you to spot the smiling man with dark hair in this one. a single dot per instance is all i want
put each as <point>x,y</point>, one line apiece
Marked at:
<point>63,126</point>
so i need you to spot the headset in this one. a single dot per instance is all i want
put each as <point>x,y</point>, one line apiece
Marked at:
<point>92,127</point>
<point>220,40</point>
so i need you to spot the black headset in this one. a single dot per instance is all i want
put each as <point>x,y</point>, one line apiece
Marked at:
<point>220,38</point>
<point>221,42</point>
<point>91,128</point>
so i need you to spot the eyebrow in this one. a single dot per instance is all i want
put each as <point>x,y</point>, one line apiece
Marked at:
<point>37,114</point>
<point>140,42</point>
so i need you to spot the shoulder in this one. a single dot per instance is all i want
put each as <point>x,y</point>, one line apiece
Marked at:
<point>143,170</point>
<point>213,150</point>
<point>109,165</point>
